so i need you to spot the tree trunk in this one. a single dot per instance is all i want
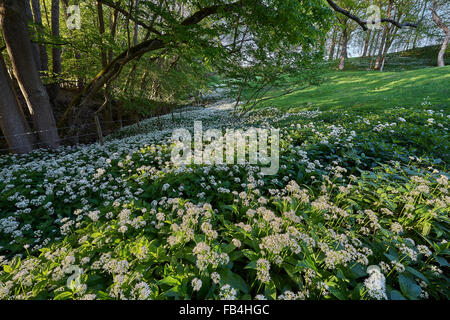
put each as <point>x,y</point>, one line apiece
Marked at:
<point>107,88</point>
<point>12,120</point>
<point>113,20</point>
<point>17,39</point>
<point>374,44</point>
<point>366,43</point>
<point>344,49</point>
<point>56,50</point>
<point>418,30</point>
<point>77,55</point>
<point>387,46</point>
<point>407,43</point>
<point>53,88</point>
<point>441,61</point>
<point>383,57</point>
<point>29,13</point>
<point>386,30</point>
<point>338,48</point>
<point>440,23</point>
<point>136,26</point>
<point>101,29</point>
<point>381,49</point>
<point>113,28</point>
<point>373,47</point>
<point>43,66</point>
<point>332,46</point>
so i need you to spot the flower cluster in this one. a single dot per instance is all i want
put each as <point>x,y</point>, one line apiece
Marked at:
<point>355,212</point>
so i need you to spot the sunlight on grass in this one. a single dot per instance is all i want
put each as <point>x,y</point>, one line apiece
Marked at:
<point>353,89</point>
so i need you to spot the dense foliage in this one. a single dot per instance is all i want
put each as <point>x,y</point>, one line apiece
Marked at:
<point>358,210</point>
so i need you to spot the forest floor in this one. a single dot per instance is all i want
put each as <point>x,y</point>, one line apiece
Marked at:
<point>357,210</point>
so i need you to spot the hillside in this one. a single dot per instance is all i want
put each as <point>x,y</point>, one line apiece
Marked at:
<point>369,89</point>
<point>413,59</point>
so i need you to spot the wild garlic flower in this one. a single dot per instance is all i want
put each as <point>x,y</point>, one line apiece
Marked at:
<point>262,270</point>
<point>196,284</point>
<point>236,243</point>
<point>227,293</point>
<point>376,283</point>
<point>396,228</point>
<point>215,277</point>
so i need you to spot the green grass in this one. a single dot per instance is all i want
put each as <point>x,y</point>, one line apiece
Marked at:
<point>369,89</point>
<point>419,58</point>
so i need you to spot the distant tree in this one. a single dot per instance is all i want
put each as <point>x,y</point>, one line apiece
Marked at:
<point>30,20</point>
<point>441,24</point>
<point>43,67</point>
<point>12,120</point>
<point>20,51</point>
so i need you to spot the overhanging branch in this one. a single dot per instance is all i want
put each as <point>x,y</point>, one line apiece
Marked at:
<point>364,23</point>
<point>128,15</point>
<point>113,69</point>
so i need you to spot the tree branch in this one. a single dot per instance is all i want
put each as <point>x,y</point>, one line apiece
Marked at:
<point>130,16</point>
<point>364,23</point>
<point>114,68</point>
<point>437,19</point>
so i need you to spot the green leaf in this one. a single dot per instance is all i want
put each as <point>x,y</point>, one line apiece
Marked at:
<point>336,291</point>
<point>38,287</point>
<point>235,281</point>
<point>251,265</point>
<point>251,255</point>
<point>170,281</point>
<point>426,228</point>
<point>96,235</point>
<point>358,271</point>
<point>396,295</point>
<point>103,295</point>
<point>442,261</point>
<point>270,290</point>
<point>417,274</point>
<point>409,287</point>
<point>7,268</point>
<point>64,295</point>
<point>173,292</point>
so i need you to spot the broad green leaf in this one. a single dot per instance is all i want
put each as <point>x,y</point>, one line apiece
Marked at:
<point>409,287</point>
<point>64,295</point>
<point>396,295</point>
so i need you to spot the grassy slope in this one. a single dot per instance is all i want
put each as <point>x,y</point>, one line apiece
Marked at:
<point>419,58</point>
<point>359,89</point>
<point>409,78</point>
